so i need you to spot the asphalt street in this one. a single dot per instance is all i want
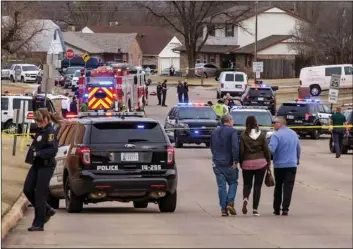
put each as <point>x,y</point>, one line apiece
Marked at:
<point>320,214</point>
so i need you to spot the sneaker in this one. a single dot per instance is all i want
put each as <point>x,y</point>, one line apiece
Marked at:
<point>255,213</point>
<point>276,212</point>
<point>231,209</point>
<point>50,213</point>
<point>35,229</point>
<point>285,213</point>
<point>224,213</point>
<point>244,209</point>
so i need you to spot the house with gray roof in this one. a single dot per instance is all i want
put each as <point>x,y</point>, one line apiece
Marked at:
<point>118,47</point>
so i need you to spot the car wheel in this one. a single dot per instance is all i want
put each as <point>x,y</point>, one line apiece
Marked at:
<point>315,90</point>
<point>177,142</point>
<point>315,134</point>
<point>332,146</point>
<point>53,201</point>
<point>12,79</point>
<point>207,144</point>
<point>73,203</point>
<point>140,204</point>
<point>168,203</point>
<point>10,127</point>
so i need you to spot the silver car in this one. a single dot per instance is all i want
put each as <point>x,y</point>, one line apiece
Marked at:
<point>205,69</point>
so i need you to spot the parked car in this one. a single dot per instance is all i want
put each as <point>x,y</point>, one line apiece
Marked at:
<point>69,73</point>
<point>74,79</point>
<point>205,69</point>
<point>24,73</point>
<point>59,78</point>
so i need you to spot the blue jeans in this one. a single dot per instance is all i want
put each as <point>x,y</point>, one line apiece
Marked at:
<point>337,137</point>
<point>226,176</point>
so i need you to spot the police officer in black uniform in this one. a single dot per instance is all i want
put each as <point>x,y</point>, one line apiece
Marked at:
<point>159,93</point>
<point>41,155</point>
<point>164,92</point>
<point>186,92</point>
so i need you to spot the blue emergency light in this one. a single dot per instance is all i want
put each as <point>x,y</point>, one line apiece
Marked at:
<point>140,126</point>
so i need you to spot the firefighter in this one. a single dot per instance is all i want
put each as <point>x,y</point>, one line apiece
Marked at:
<point>159,93</point>
<point>164,92</point>
<point>41,155</point>
<point>220,108</point>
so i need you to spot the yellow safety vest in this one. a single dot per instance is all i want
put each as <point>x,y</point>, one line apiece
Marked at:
<point>219,109</point>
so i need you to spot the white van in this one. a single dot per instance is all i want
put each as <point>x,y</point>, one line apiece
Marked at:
<point>231,82</point>
<point>318,78</point>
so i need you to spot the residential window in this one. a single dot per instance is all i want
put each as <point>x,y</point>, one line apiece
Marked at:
<point>212,59</point>
<point>229,30</point>
<point>211,29</point>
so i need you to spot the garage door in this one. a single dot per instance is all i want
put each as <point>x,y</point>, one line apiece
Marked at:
<point>176,62</point>
<point>163,64</point>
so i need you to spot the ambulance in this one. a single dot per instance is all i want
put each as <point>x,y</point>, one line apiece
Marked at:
<point>117,87</point>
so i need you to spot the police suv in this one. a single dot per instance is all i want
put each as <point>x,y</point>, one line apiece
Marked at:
<point>260,95</point>
<point>114,157</point>
<point>190,123</point>
<point>305,113</point>
<point>262,115</point>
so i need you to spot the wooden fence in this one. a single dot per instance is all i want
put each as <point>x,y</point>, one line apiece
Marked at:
<point>278,69</point>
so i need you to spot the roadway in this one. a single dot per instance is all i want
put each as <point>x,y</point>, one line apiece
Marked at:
<point>320,215</point>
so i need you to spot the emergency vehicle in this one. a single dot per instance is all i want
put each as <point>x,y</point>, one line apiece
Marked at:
<point>112,88</point>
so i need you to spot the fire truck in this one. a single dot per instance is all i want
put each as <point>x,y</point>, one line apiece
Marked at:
<point>117,87</point>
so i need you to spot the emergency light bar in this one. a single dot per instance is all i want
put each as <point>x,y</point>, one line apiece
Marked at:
<point>308,100</point>
<point>108,114</point>
<point>249,107</point>
<point>192,104</point>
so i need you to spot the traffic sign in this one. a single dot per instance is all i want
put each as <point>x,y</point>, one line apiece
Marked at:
<point>258,66</point>
<point>85,57</point>
<point>70,54</point>
<point>334,88</point>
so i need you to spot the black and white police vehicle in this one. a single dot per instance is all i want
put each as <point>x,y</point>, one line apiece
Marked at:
<point>190,123</point>
<point>114,157</point>
<point>305,113</point>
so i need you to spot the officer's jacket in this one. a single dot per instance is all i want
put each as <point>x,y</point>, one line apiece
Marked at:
<point>219,109</point>
<point>45,146</point>
<point>180,89</point>
<point>186,87</point>
<point>164,87</point>
<point>159,88</point>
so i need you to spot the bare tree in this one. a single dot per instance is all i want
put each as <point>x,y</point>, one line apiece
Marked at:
<point>189,20</point>
<point>329,39</point>
<point>17,28</point>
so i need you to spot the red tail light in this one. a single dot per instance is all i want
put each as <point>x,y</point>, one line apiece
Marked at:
<point>170,155</point>
<point>30,116</point>
<point>85,155</point>
<point>307,116</point>
<point>222,85</point>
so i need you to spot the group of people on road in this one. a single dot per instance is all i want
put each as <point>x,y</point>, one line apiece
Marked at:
<point>223,106</point>
<point>69,106</point>
<point>252,153</point>
<point>183,92</point>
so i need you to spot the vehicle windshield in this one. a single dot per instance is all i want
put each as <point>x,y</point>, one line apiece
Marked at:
<point>297,108</point>
<point>72,70</point>
<point>197,113</point>
<point>260,92</point>
<point>124,132</point>
<point>29,68</point>
<point>77,73</point>
<point>199,65</point>
<point>263,118</point>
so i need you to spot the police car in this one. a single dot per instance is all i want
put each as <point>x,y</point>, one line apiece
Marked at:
<point>190,123</point>
<point>305,113</point>
<point>114,156</point>
<point>262,115</point>
<point>260,95</point>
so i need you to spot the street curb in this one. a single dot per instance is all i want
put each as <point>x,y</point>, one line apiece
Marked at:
<point>15,214</point>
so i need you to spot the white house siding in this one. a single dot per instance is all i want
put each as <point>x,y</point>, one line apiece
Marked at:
<point>271,22</point>
<point>56,46</point>
<point>278,49</point>
<point>167,57</point>
<point>220,38</point>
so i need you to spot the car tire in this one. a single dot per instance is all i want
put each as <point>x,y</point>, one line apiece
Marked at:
<point>168,203</point>
<point>315,134</point>
<point>177,142</point>
<point>207,144</point>
<point>332,146</point>
<point>315,90</point>
<point>73,203</point>
<point>53,201</point>
<point>12,79</point>
<point>9,125</point>
<point>140,204</point>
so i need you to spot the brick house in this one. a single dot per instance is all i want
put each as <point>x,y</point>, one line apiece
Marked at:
<point>105,46</point>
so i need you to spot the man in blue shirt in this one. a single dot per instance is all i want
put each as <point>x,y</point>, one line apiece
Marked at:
<point>224,145</point>
<point>285,148</point>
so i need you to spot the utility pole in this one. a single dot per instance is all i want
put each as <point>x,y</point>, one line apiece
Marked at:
<point>255,57</point>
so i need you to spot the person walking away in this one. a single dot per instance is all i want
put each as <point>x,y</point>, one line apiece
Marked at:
<point>164,92</point>
<point>219,108</point>
<point>225,158</point>
<point>159,93</point>
<point>73,106</point>
<point>65,105</point>
<point>186,92</point>
<point>338,119</point>
<point>180,91</point>
<point>41,155</point>
<point>285,148</point>
<point>255,158</point>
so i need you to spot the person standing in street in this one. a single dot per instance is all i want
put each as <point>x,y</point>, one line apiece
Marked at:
<point>73,106</point>
<point>225,158</point>
<point>164,92</point>
<point>41,155</point>
<point>65,105</point>
<point>255,158</point>
<point>338,119</point>
<point>186,92</point>
<point>230,101</point>
<point>159,93</point>
<point>285,148</point>
<point>180,91</point>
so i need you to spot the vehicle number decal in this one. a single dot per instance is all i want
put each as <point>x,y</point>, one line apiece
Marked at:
<point>151,167</point>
